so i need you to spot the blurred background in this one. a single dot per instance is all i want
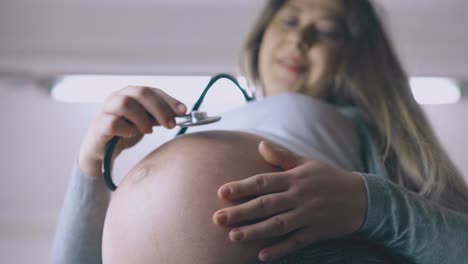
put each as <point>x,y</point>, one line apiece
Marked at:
<point>43,40</point>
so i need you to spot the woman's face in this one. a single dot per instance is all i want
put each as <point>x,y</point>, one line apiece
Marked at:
<point>300,47</point>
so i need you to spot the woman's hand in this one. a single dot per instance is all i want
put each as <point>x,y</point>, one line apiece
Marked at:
<point>307,202</point>
<point>129,113</point>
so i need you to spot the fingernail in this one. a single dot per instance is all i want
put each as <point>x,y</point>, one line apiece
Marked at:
<point>171,123</point>
<point>273,146</point>
<point>263,256</point>
<point>221,218</point>
<point>182,108</point>
<point>225,192</point>
<point>236,235</point>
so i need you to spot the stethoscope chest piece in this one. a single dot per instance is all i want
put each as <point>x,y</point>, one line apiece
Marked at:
<point>197,118</point>
<point>194,118</point>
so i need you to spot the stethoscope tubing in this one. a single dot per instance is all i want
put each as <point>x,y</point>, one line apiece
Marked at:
<point>112,144</point>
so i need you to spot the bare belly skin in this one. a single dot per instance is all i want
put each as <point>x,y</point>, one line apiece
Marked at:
<point>162,211</point>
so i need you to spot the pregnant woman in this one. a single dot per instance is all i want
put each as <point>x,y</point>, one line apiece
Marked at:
<point>333,100</point>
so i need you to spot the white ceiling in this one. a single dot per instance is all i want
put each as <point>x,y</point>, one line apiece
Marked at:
<point>196,37</point>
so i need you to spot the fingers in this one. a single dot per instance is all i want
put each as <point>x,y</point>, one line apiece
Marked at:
<point>111,126</point>
<point>275,226</point>
<point>144,107</point>
<point>279,156</point>
<point>254,186</point>
<point>178,107</point>
<point>297,240</point>
<point>260,207</point>
<point>128,108</point>
<point>129,113</point>
<point>158,104</point>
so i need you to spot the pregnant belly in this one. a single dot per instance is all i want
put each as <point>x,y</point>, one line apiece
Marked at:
<point>162,211</point>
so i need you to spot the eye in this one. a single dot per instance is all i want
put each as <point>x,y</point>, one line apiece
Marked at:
<point>329,34</point>
<point>290,21</point>
<point>328,30</point>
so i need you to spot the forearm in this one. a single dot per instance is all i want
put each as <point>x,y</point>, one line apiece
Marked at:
<point>412,226</point>
<point>79,231</point>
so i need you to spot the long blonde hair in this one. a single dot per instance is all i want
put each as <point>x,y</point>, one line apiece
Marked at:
<point>371,78</point>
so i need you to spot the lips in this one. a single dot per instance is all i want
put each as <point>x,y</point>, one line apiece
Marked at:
<point>292,64</point>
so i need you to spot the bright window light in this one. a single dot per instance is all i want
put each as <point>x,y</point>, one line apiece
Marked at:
<point>96,88</point>
<point>430,90</point>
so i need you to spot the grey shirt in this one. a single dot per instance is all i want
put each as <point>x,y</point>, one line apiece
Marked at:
<point>78,235</point>
<point>408,225</point>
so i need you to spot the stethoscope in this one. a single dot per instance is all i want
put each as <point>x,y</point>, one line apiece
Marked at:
<point>194,118</point>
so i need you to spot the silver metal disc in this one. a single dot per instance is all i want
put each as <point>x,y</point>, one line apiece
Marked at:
<point>205,121</point>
